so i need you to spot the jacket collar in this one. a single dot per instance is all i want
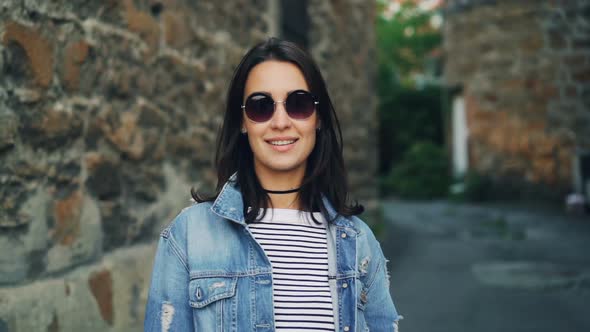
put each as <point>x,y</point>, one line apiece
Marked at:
<point>229,205</point>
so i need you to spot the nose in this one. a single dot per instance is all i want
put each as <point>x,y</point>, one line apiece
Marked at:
<point>280,119</point>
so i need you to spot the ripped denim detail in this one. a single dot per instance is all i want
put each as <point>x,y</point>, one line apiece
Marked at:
<point>396,323</point>
<point>167,315</point>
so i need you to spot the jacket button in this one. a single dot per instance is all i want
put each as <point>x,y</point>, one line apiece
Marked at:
<point>344,285</point>
<point>343,235</point>
<point>346,328</point>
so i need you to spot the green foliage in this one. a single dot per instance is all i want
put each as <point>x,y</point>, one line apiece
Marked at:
<point>408,116</point>
<point>421,174</point>
<point>403,42</point>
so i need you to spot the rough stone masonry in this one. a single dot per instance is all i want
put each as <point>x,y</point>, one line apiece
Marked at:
<point>108,115</point>
<point>524,69</point>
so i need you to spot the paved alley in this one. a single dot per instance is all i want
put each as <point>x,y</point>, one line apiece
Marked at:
<point>471,268</point>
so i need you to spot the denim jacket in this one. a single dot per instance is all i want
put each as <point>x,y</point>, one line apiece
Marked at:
<point>210,274</point>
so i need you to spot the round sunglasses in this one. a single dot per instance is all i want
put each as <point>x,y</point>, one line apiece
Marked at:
<point>299,104</point>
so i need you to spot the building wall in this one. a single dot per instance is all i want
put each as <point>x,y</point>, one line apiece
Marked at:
<point>108,115</point>
<point>524,70</point>
<point>340,28</point>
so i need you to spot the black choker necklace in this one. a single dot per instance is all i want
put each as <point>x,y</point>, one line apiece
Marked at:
<point>282,191</point>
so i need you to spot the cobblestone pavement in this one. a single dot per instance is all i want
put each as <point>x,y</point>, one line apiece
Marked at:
<point>457,267</point>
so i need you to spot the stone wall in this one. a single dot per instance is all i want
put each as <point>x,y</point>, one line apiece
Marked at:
<point>346,27</point>
<point>524,69</point>
<point>108,115</point>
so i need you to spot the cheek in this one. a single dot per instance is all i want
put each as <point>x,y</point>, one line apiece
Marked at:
<point>312,138</point>
<point>254,140</point>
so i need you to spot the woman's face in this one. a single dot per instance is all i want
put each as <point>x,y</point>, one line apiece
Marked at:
<point>280,145</point>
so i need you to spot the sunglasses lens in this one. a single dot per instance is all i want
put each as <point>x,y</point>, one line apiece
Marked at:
<point>259,107</point>
<point>300,105</point>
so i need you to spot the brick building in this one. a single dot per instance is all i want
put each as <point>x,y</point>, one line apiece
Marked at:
<point>521,70</point>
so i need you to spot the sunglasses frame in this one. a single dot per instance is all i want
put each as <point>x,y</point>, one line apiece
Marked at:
<point>275,102</point>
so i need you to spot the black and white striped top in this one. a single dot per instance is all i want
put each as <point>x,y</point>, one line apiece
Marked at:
<point>298,252</point>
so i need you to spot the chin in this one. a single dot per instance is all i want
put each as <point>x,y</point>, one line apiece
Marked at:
<point>285,166</point>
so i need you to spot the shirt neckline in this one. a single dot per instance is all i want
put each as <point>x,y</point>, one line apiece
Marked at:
<point>291,216</point>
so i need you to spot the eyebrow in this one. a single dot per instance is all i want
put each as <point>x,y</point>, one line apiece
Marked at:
<point>270,94</point>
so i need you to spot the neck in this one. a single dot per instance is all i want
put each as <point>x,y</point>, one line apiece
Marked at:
<point>285,201</point>
<point>281,181</point>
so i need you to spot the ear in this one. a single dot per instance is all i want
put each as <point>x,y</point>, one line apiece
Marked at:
<point>243,130</point>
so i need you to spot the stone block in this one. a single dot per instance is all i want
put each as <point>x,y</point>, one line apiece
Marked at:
<point>143,24</point>
<point>184,144</point>
<point>76,54</point>
<point>22,249</point>
<point>101,286</point>
<point>66,215</point>
<point>76,233</point>
<point>108,296</point>
<point>104,178</point>
<point>177,33</point>
<point>38,49</point>
<point>122,130</point>
<point>51,128</point>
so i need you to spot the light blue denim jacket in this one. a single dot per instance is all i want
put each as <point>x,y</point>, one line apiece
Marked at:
<point>210,274</point>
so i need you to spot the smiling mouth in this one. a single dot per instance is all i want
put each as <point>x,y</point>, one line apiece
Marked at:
<point>282,142</point>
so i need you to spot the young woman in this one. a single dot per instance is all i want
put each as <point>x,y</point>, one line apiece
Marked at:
<point>277,248</point>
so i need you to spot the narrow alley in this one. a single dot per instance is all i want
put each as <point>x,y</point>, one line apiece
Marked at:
<point>488,268</point>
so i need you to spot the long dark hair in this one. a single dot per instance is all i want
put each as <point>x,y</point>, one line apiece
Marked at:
<point>325,173</point>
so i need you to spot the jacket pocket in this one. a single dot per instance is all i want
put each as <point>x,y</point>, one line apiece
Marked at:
<point>204,291</point>
<point>210,298</point>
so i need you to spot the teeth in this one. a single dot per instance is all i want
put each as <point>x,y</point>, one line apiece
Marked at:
<point>281,142</point>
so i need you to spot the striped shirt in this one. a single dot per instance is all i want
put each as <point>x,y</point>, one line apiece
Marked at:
<point>297,249</point>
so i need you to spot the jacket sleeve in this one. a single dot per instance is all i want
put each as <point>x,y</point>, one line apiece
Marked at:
<point>380,312</point>
<point>168,306</point>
